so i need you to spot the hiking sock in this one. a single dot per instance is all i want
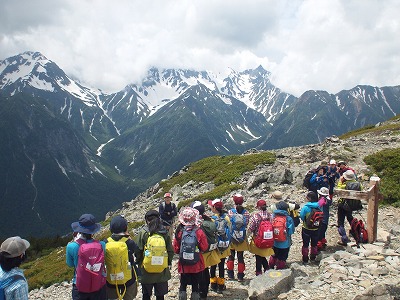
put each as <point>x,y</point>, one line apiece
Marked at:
<point>213,283</point>
<point>221,284</point>
<point>304,253</point>
<point>241,268</point>
<point>314,252</point>
<point>230,266</point>
<point>272,261</point>
<point>280,264</point>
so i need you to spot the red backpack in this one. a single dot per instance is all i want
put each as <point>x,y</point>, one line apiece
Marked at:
<point>265,236</point>
<point>358,231</point>
<point>279,225</point>
<point>90,271</point>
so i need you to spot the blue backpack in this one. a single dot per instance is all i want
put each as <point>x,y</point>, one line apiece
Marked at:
<point>239,224</point>
<point>189,253</point>
<point>6,282</point>
<point>223,232</point>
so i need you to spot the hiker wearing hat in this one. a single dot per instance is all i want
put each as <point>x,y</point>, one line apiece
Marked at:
<point>223,224</point>
<point>293,207</point>
<point>125,287</point>
<point>254,223</point>
<point>239,217</point>
<point>319,179</point>
<point>324,202</point>
<point>309,234</point>
<point>347,181</point>
<point>76,255</point>
<point>154,264</point>
<point>210,256</point>
<point>12,254</point>
<point>333,174</point>
<point>168,212</point>
<point>283,229</point>
<point>343,167</point>
<point>190,240</point>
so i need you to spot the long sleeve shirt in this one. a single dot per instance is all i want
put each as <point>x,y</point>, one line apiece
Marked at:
<point>18,290</point>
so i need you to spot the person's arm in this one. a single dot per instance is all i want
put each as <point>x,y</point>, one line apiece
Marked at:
<point>202,238</point>
<point>170,249</point>
<point>161,210</point>
<point>21,292</point>
<point>290,225</point>
<point>174,211</point>
<point>72,254</point>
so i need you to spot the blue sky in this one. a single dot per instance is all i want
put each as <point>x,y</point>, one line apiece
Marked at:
<point>307,45</point>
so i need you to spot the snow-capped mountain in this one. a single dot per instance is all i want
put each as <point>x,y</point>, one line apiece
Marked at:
<point>133,138</point>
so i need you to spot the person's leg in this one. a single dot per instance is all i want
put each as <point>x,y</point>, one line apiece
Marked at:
<point>221,278</point>
<point>258,265</point>
<point>314,242</point>
<point>281,257</point>
<point>213,277</point>
<point>264,263</point>
<point>147,290</point>
<point>160,290</point>
<point>230,265</point>
<point>131,292</point>
<point>306,242</point>
<point>321,236</point>
<point>241,265</point>
<point>204,283</point>
<point>341,214</point>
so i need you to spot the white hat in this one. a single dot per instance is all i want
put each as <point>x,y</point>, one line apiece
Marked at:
<point>324,191</point>
<point>349,175</point>
<point>332,162</point>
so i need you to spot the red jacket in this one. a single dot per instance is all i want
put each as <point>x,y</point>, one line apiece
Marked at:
<point>203,246</point>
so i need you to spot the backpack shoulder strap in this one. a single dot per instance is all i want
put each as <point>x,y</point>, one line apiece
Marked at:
<point>9,280</point>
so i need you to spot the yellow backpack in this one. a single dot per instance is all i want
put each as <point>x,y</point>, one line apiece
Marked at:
<point>119,269</point>
<point>155,254</point>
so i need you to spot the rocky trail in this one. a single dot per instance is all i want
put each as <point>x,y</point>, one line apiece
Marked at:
<point>369,272</point>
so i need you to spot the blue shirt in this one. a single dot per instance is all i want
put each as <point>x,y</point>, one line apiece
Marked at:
<point>72,255</point>
<point>18,290</point>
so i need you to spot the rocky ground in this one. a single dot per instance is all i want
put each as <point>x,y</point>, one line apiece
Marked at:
<point>370,272</point>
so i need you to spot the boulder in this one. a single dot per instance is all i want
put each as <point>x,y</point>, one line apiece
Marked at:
<point>271,284</point>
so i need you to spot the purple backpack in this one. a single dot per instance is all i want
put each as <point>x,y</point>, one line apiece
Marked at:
<point>90,271</point>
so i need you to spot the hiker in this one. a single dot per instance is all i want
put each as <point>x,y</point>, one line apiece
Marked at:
<point>154,256</point>
<point>168,212</point>
<point>343,167</point>
<point>210,256</point>
<point>259,232</point>
<point>319,179</point>
<point>223,225</point>
<point>346,207</point>
<point>12,279</point>
<point>293,207</point>
<point>84,252</point>
<point>120,261</point>
<point>309,233</point>
<point>283,227</point>
<point>190,240</point>
<point>333,174</point>
<point>239,217</point>
<point>324,201</point>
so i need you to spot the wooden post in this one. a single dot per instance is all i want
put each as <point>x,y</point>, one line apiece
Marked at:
<point>372,213</point>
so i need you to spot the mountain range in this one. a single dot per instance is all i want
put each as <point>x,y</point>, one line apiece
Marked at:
<point>67,149</point>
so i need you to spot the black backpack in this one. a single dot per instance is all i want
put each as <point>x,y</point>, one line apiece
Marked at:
<point>314,218</point>
<point>352,204</point>
<point>306,180</point>
<point>189,253</point>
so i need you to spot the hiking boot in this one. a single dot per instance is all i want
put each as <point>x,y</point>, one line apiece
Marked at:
<point>182,295</point>
<point>304,254</point>
<point>231,274</point>
<point>258,273</point>
<point>314,253</point>
<point>272,261</point>
<point>280,264</point>
<point>221,284</point>
<point>240,277</point>
<point>213,284</point>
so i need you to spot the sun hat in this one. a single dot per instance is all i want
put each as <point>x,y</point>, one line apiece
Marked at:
<point>277,195</point>
<point>261,203</point>
<point>167,195</point>
<point>86,224</point>
<point>282,205</point>
<point>324,191</point>
<point>14,246</point>
<point>332,162</point>
<point>312,196</point>
<point>217,203</point>
<point>189,216</point>
<point>349,175</point>
<point>118,224</point>
<point>199,206</point>
<point>238,199</point>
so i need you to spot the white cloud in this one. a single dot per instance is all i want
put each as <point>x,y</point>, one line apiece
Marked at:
<point>311,44</point>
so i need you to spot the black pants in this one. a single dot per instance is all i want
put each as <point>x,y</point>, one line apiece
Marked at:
<point>204,283</point>
<point>160,289</point>
<point>322,231</point>
<point>239,256</point>
<point>99,295</point>
<point>221,269</point>
<point>309,236</point>
<point>261,262</point>
<point>192,279</point>
<point>281,253</point>
<point>342,214</point>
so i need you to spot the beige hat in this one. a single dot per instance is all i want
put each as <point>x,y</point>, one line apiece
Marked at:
<point>277,195</point>
<point>349,175</point>
<point>324,191</point>
<point>14,246</point>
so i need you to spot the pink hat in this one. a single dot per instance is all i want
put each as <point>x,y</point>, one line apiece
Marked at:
<point>189,216</point>
<point>217,203</point>
<point>167,195</point>
<point>261,202</point>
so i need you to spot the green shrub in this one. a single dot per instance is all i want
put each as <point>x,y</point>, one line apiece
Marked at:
<point>386,164</point>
